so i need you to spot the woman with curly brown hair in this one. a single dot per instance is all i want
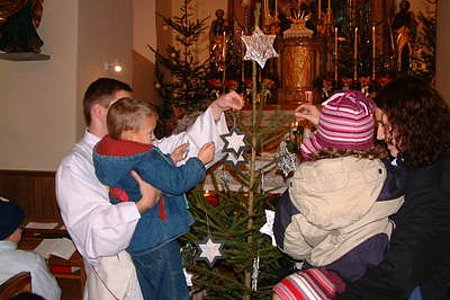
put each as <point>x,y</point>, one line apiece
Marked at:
<point>414,121</point>
<point>335,213</point>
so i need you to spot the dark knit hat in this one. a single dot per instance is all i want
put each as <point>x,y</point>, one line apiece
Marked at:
<point>11,217</point>
<point>346,122</point>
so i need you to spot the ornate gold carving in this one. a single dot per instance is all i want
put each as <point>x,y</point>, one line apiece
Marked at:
<point>302,60</point>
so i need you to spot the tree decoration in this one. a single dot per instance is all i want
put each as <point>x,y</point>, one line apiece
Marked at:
<point>267,227</point>
<point>210,250</point>
<point>287,161</point>
<point>255,274</point>
<point>234,142</point>
<point>211,198</point>
<point>235,160</point>
<point>259,47</point>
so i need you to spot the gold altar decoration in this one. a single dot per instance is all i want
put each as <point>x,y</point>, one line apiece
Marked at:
<point>298,29</point>
<point>302,61</point>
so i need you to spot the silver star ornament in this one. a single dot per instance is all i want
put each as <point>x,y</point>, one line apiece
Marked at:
<point>234,142</point>
<point>259,46</point>
<point>210,250</point>
<point>235,161</point>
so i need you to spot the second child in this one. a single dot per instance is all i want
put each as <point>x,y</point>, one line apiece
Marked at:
<point>335,213</point>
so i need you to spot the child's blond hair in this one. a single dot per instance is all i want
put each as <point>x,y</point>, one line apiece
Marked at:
<point>128,114</point>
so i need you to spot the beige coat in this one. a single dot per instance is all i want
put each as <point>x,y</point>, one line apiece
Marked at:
<point>337,200</point>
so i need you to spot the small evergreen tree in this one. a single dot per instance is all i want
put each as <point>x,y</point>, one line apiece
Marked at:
<point>252,264</point>
<point>424,58</point>
<point>185,88</point>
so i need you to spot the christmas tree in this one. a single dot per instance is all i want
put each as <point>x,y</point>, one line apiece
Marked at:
<point>233,258</point>
<point>424,61</point>
<point>184,90</point>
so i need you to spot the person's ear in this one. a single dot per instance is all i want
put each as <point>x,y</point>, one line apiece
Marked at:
<point>99,111</point>
<point>127,135</point>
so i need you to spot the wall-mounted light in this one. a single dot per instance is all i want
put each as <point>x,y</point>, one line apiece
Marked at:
<point>113,67</point>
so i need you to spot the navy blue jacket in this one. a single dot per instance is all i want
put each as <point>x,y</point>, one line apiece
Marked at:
<point>419,252</point>
<point>114,160</point>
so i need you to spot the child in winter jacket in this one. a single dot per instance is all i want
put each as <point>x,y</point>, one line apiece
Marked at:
<point>335,212</point>
<point>127,147</point>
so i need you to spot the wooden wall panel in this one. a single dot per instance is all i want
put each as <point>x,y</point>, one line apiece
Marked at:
<point>34,191</point>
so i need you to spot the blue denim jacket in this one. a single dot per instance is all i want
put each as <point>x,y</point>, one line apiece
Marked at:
<point>114,160</point>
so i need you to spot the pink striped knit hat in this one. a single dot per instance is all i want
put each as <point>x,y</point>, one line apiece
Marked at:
<point>346,122</point>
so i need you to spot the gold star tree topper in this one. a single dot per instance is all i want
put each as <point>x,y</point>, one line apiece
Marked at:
<point>259,46</point>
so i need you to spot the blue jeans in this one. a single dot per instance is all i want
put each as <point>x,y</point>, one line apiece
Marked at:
<point>416,294</point>
<point>160,273</point>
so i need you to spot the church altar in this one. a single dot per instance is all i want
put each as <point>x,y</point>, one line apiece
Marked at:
<point>302,61</point>
<point>273,180</point>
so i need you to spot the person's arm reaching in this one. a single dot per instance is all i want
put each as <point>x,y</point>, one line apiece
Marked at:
<point>231,100</point>
<point>208,127</point>
<point>308,112</point>
<point>161,173</point>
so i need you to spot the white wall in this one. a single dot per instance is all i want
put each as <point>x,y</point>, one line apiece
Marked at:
<point>105,35</point>
<point>144,22</point>
<point>37,119</point>
<point>40,102</point>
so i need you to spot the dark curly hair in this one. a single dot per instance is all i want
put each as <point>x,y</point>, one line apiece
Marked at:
<point>419,118</point>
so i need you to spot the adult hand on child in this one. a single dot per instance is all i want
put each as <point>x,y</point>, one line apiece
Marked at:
<point>150,195</point>
<point>179,153</point>
<point>206,153</point>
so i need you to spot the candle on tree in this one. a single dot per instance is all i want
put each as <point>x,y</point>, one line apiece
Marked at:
<point>355,56</point>
<point>329,11</point>
<point>309,97</point>
<point>224,57</point>
<point>242,63</point>
<point>319,10</point>
<point>336,49</point>
<point>374,54</point>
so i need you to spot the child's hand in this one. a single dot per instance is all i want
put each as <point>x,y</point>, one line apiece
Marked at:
<point>206,153</point>
<point>180,152</point>
<point>307,112</point>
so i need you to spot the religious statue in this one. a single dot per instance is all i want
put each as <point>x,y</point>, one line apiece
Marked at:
<point>18,22</point>
<point>218,39</point>
<point>271,22</point>
<point>405,27</point>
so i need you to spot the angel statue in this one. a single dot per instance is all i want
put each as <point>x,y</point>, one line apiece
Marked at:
<point>18,22</point>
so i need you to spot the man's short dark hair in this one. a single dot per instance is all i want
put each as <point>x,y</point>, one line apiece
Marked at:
<point>101,91</point>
